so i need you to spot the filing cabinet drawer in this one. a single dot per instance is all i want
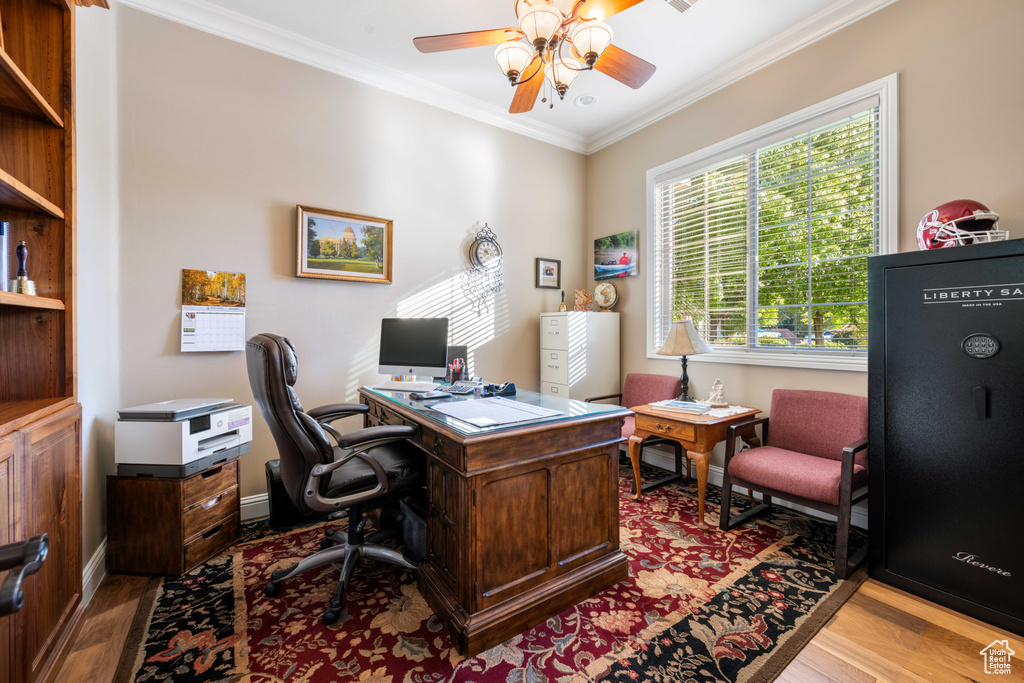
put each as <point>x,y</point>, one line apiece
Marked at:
<point>554,366</point>
<point>199,487</point>
<point>561,390</point>
<point>665,426</point>
<point>210,511</point>
<point>211,542</point>
<point>554,332</point>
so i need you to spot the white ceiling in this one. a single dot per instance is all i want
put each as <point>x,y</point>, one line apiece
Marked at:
<point>696,52</point>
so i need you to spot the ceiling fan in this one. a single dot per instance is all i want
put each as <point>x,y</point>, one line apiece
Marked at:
<point>562,39</point>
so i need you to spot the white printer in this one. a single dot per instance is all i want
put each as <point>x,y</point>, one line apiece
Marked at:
<point>180,437</point>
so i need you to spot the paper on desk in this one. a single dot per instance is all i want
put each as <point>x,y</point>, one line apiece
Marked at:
<point>488,412</point>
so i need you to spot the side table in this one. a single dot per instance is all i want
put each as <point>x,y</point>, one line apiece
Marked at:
<point>697,434</point>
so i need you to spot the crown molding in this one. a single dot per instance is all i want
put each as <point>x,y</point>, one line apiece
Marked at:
<point>239,28</point>
<point>218,21</point>
<point>830,20</point>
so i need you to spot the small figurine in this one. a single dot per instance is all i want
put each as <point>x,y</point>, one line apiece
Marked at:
<point>561,306</point>
<point>584,302</point>
<point>717,397</point>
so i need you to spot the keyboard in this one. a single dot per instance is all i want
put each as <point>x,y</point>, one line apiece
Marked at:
<point>392,385</point>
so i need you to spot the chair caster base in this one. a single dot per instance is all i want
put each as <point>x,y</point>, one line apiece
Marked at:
<point>330,617</point>
<point>271,589</point>
<point>326,543</point>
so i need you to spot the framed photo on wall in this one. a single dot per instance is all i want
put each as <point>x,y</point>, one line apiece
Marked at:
<point>548,273</point>
<point>616,255</point>
<point>342,246</point>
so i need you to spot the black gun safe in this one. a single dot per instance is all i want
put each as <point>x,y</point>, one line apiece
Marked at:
<point>946,390</point>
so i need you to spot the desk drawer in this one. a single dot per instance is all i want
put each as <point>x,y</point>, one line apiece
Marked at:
<point>207,513</point>
<point>554,366</point>
<point>554,332</point>
<point>199,487</point>
<point>665,426</point>
<point>440,446</point>
<point>211,541</point>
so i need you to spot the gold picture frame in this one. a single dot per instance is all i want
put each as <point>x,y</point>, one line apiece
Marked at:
<point>334,245</point>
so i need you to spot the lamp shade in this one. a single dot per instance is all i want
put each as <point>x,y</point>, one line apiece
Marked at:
<point>513,58</point>
<point>591,39</point>
<point>539,23</point>
<point>561,74</point>
<point>683,340</point>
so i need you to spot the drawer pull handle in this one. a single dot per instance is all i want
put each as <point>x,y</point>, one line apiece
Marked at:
<point>657,425</point>
<point>213,501</point>
<point>437,445</point>
<point>213,532</point>
<point>210,473</point>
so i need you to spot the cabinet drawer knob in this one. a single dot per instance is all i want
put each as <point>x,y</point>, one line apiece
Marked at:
<point>437,445</point>
<point>657,425</point>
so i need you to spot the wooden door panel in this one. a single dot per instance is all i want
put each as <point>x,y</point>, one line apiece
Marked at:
<point>514,542</point>
<point>53,506</point>
<point>10,516</point>
<point>443,522</point>
<point>581,514</point>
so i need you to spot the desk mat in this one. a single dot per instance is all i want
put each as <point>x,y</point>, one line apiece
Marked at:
<point>697,606</point>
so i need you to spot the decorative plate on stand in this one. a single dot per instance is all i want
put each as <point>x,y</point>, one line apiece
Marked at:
<point>605,295</point>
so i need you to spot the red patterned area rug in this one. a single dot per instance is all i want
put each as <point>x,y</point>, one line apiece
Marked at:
<point>698,606</point>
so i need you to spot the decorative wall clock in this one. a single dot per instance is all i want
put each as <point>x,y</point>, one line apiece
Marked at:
<point>483,279</point>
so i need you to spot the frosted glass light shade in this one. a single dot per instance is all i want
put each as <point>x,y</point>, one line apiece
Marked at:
<point>513,58</point>
<point>539,23</point>
<point>561,75</point>
<point>591,39</point>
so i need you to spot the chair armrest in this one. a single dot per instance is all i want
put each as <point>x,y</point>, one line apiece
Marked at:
<point>362,441</point>
<point>602,398</point>
<point>336,411</point>
<point>846,472</point>
<point>854,448</point>
<point>22,559</point>
<point>730,435</point>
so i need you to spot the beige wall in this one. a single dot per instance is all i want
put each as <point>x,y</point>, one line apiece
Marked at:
<point>97,221</point>
<point>218,144</point>
<point>961,70</point>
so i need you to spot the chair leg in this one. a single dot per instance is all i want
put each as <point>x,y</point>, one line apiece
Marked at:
<point>843,538</point>
<point>348,567</point>
<point>726,509</point>
<point>766,499</point>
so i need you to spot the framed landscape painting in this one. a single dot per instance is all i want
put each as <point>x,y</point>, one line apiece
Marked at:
<point>343,246</point>
<point>615,256</point>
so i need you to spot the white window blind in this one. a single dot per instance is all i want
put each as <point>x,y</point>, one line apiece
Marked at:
<point>767,248</point>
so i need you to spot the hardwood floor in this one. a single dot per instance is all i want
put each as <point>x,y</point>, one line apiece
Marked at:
<point>880,634</point>
<point>884,634</point>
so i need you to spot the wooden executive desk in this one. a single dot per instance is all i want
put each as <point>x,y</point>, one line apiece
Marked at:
<point>524,518</point>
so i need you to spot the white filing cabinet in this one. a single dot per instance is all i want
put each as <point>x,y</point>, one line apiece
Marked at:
<point>579,354</point>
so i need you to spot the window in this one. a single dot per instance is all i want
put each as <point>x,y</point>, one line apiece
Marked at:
<point>763,240</point>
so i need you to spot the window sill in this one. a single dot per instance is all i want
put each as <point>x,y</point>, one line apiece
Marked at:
<point>782,359</point>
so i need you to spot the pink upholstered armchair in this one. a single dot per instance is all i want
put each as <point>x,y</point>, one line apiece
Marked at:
<point>639,390</point>
<point>814,455</point>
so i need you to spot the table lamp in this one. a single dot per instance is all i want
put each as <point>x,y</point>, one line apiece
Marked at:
<point>683,340</point>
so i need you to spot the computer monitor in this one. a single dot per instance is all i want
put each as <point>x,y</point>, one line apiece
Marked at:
<point>414,346</point>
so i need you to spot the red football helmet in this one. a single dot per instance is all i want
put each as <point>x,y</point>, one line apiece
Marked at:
<point>959,222</point>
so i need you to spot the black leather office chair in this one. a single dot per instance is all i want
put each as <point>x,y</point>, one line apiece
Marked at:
<point>366,466</point>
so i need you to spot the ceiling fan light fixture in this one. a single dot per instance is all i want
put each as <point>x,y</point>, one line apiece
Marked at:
<point>540,23</point>
<point>591,39</point>
<point>513,58</point>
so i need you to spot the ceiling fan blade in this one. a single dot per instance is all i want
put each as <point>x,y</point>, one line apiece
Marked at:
<point>602,9</point>
<point>624,67</point>
<point>458,41</point>
<point>526,93</point>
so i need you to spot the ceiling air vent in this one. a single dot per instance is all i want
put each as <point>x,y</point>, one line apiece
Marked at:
<point>680,5</point>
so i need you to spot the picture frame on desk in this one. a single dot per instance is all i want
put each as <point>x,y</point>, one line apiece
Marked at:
<point>333,245</point>
<point>548,273</point>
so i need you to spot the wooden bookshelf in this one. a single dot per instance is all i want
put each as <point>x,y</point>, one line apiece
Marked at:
<point>15,194</point>
<point>15,299</point>
<point>17,94</point>
<point>40,418</point>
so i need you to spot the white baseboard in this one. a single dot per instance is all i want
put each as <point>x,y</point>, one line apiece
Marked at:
<point>94,572</point>
<point>666,460</point>
<point>254,507</point>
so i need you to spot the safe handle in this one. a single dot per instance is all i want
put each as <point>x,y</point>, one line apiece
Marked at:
<point>981,402</point>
